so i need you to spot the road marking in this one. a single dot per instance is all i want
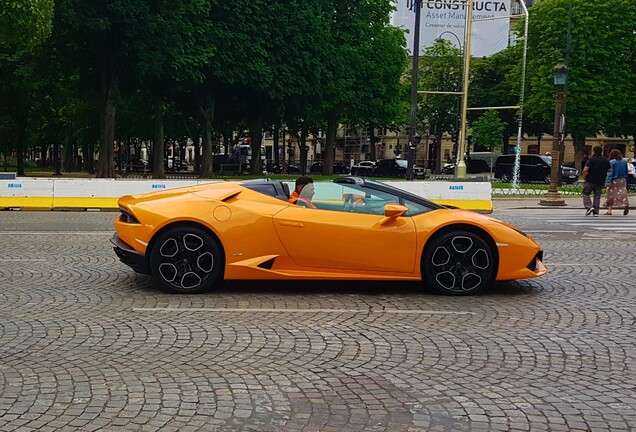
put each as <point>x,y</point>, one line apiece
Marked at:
<point>35,233</point>
<point>548,231</point>
<point>325,311</point>
<point>21,259</point>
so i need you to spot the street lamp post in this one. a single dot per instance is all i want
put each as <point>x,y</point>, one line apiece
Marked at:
<point>553,197</point>
<point>460,167</point>
<point>411,150</point>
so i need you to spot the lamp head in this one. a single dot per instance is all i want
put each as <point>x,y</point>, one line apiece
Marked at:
<point>560,75</point>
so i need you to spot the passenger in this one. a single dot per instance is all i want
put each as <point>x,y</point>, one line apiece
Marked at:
<point>303,192</point>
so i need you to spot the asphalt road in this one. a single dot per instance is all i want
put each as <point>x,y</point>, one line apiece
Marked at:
<point>86,344</point>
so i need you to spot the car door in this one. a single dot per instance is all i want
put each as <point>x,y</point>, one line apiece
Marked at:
<point>347,235</point>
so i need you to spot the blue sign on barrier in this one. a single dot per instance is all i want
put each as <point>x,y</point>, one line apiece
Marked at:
<point>14,185</point>
<point>456,187</point>
<point>158,186</point>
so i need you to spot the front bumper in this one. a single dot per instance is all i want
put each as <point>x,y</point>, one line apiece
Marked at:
<point>129,256</point>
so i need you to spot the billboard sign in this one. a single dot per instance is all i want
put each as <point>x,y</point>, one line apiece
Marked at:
<point>446,19</point>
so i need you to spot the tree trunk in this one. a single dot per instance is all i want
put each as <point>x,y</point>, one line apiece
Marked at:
<point>105,164</point>
<point>437,154</point>
<point>158,169</point>
<point>207,167</point>
<point>90,157</point>
<point>372,153</point>
<point>276,137</point>
<point>302,144</point>
<point>329,151</point>
<point>197,152</point>
<point>256,132</point>
<point>68,151</point>
<point>579,148</point>
<point>21,144</point>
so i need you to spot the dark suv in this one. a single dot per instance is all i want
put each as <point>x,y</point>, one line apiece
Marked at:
<point>532,168</point>
<point>388,168</point>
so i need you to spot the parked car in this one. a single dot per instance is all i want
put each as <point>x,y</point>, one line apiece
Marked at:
<point>138,165</point>
<point>175,165</point>
<point>389,168</point>
<point>281,167</point>
<point>338,168</point>
<point>363,168</point>
<point>418,171</point>
<point>185,237</point>
<point>532,168</point>
<point>473,166</point>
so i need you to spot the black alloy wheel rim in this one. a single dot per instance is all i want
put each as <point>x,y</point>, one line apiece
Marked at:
<point>186,263</point>
<point>460,264</point>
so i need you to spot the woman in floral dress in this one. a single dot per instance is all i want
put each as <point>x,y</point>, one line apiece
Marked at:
<point>617,183</point>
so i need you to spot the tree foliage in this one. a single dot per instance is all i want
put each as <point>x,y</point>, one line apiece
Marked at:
<point>488,130</point>
<point>24,23</point>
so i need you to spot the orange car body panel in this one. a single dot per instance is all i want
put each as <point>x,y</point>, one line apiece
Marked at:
<point>312,244</point>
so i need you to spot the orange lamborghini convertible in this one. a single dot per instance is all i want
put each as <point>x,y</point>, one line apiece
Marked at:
<point>192,238</point>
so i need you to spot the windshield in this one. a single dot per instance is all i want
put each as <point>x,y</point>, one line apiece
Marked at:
<point>547,159</point>
<point>402,163</point>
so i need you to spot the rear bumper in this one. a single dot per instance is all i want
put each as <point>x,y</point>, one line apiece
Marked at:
<point>129,256</point>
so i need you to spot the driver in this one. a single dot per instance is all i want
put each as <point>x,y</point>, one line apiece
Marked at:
<point>303,192</point>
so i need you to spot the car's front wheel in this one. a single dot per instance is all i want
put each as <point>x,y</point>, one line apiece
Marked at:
<point>186,259</point>
<point>458,263</point>
<point>506,178</point>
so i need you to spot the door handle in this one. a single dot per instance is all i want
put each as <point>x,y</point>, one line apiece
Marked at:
<point>291,224</point>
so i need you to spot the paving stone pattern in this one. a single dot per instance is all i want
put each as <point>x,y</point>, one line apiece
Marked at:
<point>80,350</point>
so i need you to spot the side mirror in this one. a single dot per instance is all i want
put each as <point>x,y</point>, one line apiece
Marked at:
<point>393,211</point>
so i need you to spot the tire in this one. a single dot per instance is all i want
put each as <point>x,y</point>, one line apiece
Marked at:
<point>458,263</point>
<point>547,179</point>
<point>186,260</point>
<point>505,178</point>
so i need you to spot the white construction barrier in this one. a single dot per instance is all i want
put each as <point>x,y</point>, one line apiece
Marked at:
<point>469,195</point>
<point>49,193</point>
<point>37,193</point>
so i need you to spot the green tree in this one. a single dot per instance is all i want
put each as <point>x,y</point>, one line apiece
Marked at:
<point>440,70</point>
<point>599,58</point>
<point>488,130</point>
<point>379,93</point>
<point>496,82</point>
<point>359,30</point>
<point>108,42</point>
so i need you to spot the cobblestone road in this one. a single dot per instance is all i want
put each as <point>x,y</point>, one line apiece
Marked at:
<point>85,344</point>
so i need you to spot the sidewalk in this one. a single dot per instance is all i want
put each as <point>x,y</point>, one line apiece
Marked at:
<point>532,202</point>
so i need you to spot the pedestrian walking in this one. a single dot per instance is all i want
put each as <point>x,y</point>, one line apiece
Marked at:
<point>617,183</point>
<point>594,173</point>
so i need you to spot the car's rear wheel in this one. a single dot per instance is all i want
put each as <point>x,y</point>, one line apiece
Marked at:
<point>547,179</point>
<point>186,259</point>
<point>458,263</point>
<point>506,178</point>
